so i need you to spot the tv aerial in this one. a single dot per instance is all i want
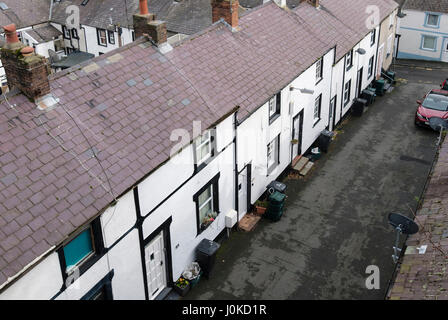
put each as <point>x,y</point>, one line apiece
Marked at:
<point>402,225</point>
<point>439,125</point>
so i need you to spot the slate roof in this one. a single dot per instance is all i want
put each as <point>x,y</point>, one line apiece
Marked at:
<point>426,5</point>
<point>186,16</point>
<point>44,33</point>
<point>126,103</point>
<point>425,276</point>
<point>24,13</point>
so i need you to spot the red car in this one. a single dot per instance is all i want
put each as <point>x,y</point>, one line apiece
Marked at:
<point>434,104</point>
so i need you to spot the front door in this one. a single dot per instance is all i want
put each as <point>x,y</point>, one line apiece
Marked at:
<point>155,266</point>
<point>445,50</point>
<point>379,66</point>
<point>297,124</point>
<point>244,184</point>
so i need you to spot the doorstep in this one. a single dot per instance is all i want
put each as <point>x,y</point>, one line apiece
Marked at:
<point>248,222</point>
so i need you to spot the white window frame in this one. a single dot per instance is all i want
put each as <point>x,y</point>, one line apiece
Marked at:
<point>272,106</point>
<point>317,108</point>
<point>372,37</point>
<point>319,70</point>
<point>349,60</point>
<point>98,32</point>
<point>347,92</point>
<point>427,20</point>
<point>370,68</point>
<point>200,142</point>
<point>272,153</point>
<point>206,202</point>
<point>389,46</point>
<point>423,42</point>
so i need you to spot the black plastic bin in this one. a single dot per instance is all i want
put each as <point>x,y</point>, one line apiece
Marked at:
<point>276,186</point>
<point>369,96</point>
<point>324,140</point>
<point>206,255</point>
<point>358,107</point>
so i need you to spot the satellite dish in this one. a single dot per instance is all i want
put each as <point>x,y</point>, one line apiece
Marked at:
<point>406,225</point>
<point>402,224</point>
<point>438,124</point>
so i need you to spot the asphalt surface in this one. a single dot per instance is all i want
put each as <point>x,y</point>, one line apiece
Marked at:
<point>335,223</point>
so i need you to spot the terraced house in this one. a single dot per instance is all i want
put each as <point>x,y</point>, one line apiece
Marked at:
<point>114,170</point>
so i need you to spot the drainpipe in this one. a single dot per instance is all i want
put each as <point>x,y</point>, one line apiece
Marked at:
<point>51,10</point>
<point>235,127</point>
<point>377,49</point>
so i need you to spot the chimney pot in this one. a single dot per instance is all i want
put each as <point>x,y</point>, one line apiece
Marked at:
<point>143,7</point>
<point>27,51</point>
<point>11,33</point>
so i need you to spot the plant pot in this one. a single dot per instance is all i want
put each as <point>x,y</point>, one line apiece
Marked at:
<point>195,281</point>
<point>260,210</point>
<point>182,291</point>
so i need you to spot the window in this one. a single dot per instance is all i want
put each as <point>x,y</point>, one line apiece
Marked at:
<point>274,107</point>
<point>347,88</point>
<point>349,60</point>
<point>75,33</point>
<point>111,35</point>
<point>273,154</point>
<point>370,70</point>
<point>317,109</point>
<point>207,204</point>
<point>102,41</point>
<point>84,2</point>
<point>82,250</point>
<point>133,35</point>
<point>102,290</point>
<point>432,20</point>
<point>204,148</point>
<point>319,69</point>
<point>65,32</point>
<point>391,21</point>
<point>429,43</point>
<point>373,37</point>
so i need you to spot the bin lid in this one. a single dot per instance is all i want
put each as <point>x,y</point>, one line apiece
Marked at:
<point>277,186</point>
<point>277,197</point>
<point>208,247</point>
<point>327,133</point>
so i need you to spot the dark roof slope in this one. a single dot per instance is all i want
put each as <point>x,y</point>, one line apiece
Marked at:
<point>426,5</point>
<point>25,13</point>
<point>44,33</point>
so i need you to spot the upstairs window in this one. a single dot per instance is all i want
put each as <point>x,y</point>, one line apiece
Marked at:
<point>373,37</point>
<point>389,46</point>
<point>432,20</point>
<point>204,148</point>
<point>111,36</point>
<point>391,21</point>
<point>349,60</point>
<point>75,33</point>
<point>274,107</point>
<point>66,32</point>
<point>83,250</point>
<point>319,69</point>
<point>102,40</point>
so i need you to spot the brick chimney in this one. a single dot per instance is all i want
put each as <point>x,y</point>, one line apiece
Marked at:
<point>146,23</point>
<point>24,69</point>
<point>227,10</point>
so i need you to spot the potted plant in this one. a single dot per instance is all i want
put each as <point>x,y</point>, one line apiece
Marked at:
<point>182,286</point>
<point>208,220</point>
<point>261,207</point>
<point>294,141</point>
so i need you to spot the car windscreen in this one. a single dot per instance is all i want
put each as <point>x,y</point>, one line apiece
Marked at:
<point>436,102</point>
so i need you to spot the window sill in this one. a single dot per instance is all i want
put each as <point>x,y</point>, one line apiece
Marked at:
<point>316,121</point>
<point>349,68</point>
<point>273,118</point>
<point>319,81</point>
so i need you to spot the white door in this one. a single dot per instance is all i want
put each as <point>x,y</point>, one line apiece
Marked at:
<point>445,50</point>
<point>242,192</point>
<point>380,60</point>
<point>296,126</point>
<point>155,266</point>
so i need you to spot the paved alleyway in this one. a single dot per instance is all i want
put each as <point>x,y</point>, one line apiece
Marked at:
<point>336,219</point>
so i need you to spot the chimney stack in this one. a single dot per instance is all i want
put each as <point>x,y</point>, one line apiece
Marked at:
<point>24,69</point>
<point>227,10</point>
<point>146,23</point>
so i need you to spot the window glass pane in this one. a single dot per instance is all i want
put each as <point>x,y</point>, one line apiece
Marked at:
<point>205,150</point>
<point>78,248</point>
<point>433,20</point>
<point>429,42</point>
<point>205,211</point>
<point>205,196</point>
